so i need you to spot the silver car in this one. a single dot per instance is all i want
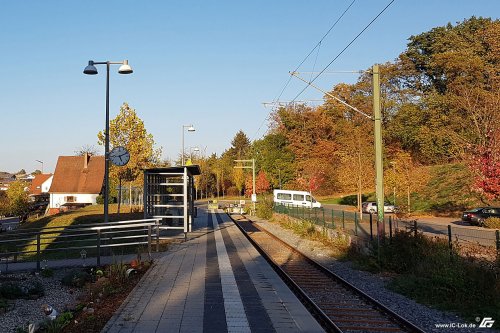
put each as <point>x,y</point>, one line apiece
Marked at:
<point>371,207</point>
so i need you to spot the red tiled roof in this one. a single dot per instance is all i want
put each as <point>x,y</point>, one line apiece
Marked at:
<point>36,184</point>
<point>71,176</point>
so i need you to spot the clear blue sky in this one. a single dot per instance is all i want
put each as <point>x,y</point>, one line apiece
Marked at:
<point>210,63</point>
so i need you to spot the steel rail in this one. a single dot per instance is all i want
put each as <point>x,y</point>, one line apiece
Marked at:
<point>404,323</point>
<point>319,314</point>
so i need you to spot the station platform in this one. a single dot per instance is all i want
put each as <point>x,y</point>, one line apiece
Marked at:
<point>214,282</point>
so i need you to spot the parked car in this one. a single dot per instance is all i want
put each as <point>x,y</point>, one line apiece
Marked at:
<point>371,207</point>
<point>477,216</point>
<point>295,198</point>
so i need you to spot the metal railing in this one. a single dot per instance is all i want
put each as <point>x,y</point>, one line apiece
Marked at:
<point>94,239</point>
<point>365,226</point>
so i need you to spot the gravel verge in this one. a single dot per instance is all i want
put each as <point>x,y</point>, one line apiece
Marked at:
<point>374,285</point>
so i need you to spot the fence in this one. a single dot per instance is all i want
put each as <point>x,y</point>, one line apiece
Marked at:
<point>78,241</point>
<point>365,226</point>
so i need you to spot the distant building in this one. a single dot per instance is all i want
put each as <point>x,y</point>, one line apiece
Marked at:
<point>41,184</point>
<point>5,180</point>
<point>77,182</point>
<point>39,192</point>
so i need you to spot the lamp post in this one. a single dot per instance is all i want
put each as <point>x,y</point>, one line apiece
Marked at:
<point>41,163</point>
<point>190,128</point>
<point>92,70</point>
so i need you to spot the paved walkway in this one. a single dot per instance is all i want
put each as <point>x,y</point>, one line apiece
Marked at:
<point>215,282</point>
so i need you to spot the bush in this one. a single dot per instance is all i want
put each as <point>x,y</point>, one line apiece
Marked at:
<point>100,200</point>
<point>407,253</point>
<point>117,273</point>
<point>3,303</point>
<point>75,279</point>
<point>492,223</point>
<point>47,272</point>
<point>36,289</point>
<point>232,191</point>
<point>11,290</point>
<point>57,325</point>
<point>265,208</point>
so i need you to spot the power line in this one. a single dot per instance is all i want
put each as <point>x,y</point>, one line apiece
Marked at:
<point>304,60</point>
<point>345,48</point>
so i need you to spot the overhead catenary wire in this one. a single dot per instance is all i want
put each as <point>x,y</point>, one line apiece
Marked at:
<point>343,50</point>
<point>304,60</point>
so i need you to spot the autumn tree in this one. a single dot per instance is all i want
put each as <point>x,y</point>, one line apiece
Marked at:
<point>4,203</point>
<point>240,149</point>
<point>310,133</point>
<point>262,184</point>
<point>404,175</point>
<point>17,198</point>
<point>486,167</point>
<point>128,130</point>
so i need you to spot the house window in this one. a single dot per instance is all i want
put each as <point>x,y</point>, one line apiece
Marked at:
<point>70,199</point>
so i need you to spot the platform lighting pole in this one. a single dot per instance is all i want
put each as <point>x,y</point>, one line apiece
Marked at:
<point>254,193</point>
<point>377,118</point>
<point>190,128</point>
<point>379,167</point>
<point>91,70</point>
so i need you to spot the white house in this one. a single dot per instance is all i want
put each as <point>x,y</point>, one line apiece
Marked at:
<point>41,184</point>
<point>77,182</point>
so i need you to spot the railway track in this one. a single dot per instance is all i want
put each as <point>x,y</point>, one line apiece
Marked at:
<point>338,305</point>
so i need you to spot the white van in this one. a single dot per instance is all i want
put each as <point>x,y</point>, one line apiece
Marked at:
<point>295,198</point>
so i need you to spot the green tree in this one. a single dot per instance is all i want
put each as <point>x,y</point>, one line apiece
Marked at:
<point>453,70</point>
<point>240,145</point>
<point>272,154</point>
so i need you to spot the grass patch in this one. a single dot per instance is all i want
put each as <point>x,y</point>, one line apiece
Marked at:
<point>336,241</point>
<point>53,240</point>
<point>427,272</point>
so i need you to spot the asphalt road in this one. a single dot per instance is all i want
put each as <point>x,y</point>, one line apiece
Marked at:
<point>430,225</point>
<point>9,222</point>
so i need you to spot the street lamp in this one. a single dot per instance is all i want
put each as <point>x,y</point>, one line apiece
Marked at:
<point>190,128</point>
<point>92,70</point>
<point>41,163</point>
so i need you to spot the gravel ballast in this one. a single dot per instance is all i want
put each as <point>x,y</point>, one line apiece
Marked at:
<point>375,286</point>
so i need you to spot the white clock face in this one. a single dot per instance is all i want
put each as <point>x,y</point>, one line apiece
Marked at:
<point>119,156</point>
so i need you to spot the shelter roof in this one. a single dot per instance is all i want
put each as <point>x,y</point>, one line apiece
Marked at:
<point>193,170</point>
